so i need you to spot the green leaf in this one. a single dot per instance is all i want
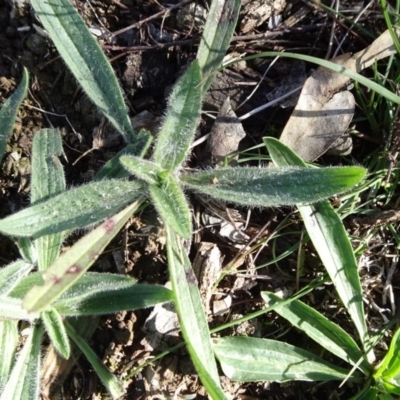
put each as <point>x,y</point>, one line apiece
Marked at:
<point>369,393</point>
<point>27,250</point>
<point>273,186</point>
<point>11,308</point>
<point>8,347</point>
<point>23,383</point>
<point>390,365</point>
<point>12,274</point>
<point>47,180</point>
<point>330,239</point>
<point>114,387</point>
<point>9,111</point>
<point>180,123</point>
<point>97,293</point>
<point>191,315</point>
<point>72,264</point>
<point>75,208</point>
<point>171,203</point>
<point>217,35</point>
<point>393,387</point>
<point>113,169</point>
<point>320,329</point>
<point>143,169</point>
<point>54,326</point>
<point>249,359</point>
<point>87,62</point>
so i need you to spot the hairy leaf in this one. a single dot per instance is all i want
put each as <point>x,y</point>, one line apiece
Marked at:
<point>191,315</point>
<point>273,186</point>
<point>87,62</point>
<point>72,264</point>
<point>170,202</point>
<point>23,383</point>
<point>143,169</point>
<point>9,111</point>
<point>217,35</point>
<point>180,123</point>
<point>75,208</point>
<point>55,329</point>
<point>47,180</point>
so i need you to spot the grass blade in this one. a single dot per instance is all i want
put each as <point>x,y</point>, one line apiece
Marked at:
<point>180,123</point>
<point>87,62</point>
<point>47,180</point>
<point>330,239</point>
<point>249,359</point>
<point>390,365</point>
<point>71,265</point>
<point>369,83</point>
<point>75,208</point>
<point>273,186</point>
<point>191,315</point>
<point>9,111</point>
<point>217,35</point>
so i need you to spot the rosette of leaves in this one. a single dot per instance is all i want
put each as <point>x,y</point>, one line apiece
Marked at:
<point>161,180</point>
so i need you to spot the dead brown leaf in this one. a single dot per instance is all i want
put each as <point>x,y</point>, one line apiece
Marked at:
<point>324,112</point>
<point>225,134</point>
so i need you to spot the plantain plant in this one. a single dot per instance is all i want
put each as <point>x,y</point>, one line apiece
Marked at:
<point>62,288</point>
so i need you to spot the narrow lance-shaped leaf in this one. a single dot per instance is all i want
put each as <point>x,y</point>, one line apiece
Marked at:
<point>72,264</point>
<point>12,274</point>
<point>75,208</point>
<point>86,60</point>
<point>170,202</point>
<point>47,180</point>
<point>113,169</point>
<point>23,383</point>
<point>55,329</point>
<point>330,239</point>
<point>27,250</point>
<point>114,387</point>
<point>100,293</point>
<point>144,169</point>
<point>273,186</point>
<point>320,329</point>
<point>9,111</point>
<point>249,359</point>
<point>8,347</point>
<point>180,123</point>
<point>217,35</point>
<point>191,315</point>
<point>11,308</point>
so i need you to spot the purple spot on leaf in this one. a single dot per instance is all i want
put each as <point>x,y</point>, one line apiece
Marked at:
<point>109,225</point>
<point>54,279</point>
<point>74,269</point>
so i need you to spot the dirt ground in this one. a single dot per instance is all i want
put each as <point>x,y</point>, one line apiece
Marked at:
<point>148,58</point>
